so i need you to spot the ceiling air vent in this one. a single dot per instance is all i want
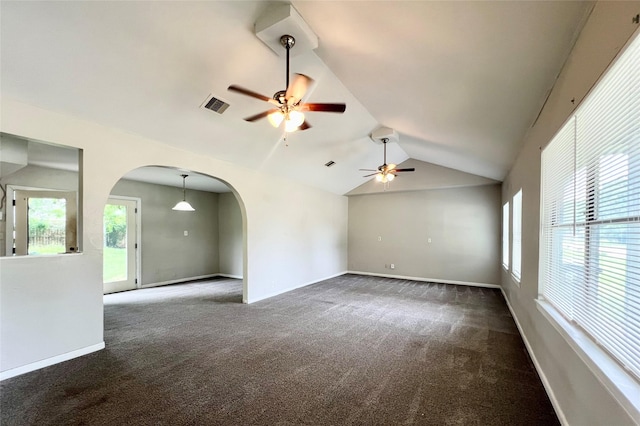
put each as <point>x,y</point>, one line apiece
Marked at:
<point>215,104</point>
<point>330,163</point>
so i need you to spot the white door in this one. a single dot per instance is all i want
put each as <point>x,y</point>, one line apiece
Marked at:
<point>120,269</point>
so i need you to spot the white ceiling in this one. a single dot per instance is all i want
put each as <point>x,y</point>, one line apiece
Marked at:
<point>461,82</point>
<point>173,177</point>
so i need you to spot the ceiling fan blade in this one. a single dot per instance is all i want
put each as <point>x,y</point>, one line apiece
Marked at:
<point>304,126</point>
<point>372,174</point>
<point>368,170</point>
<point>251,93</point>
<point>260,115</point>
<point>297,88</point>
<point>340,108</point>
<point>412,169</point>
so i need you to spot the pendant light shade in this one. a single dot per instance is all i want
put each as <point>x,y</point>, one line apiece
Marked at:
<point>183,205</point>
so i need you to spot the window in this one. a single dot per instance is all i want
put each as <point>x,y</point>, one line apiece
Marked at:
<point>516,254</point>
<point>590,241</point>
<point>505,235</point>
<point>43,198</point>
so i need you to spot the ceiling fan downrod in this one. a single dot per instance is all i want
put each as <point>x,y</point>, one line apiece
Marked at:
<point>287,42</point>
<point>384,143</point>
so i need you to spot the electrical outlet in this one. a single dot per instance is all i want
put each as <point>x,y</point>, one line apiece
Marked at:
<point>429,240</point>
<point>379,238</point>
<point>392,266</point>
<point>186,233</point>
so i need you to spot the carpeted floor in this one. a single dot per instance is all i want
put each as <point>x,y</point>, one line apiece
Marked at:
<point>352,350</point>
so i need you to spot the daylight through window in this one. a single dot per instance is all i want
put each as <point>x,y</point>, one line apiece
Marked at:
<point>590,243</point>
<point>516,255</point>
<point>505,235</point>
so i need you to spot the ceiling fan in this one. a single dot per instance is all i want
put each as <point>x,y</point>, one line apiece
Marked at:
<point>287,104</point>
<point>386,172</point>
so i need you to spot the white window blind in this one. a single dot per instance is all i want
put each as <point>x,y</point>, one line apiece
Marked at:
<point>505,235</point>
<point>590,218</point>
<point>516,254</point>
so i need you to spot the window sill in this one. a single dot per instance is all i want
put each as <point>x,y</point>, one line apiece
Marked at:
<point>622,386</point>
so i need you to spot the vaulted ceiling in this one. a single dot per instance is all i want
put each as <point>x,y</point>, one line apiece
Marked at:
<point>461,82</point>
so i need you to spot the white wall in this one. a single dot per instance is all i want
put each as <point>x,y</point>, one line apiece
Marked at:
<point>166,253</point>
<point>580,397</point>
<point>462,223</point>
<point>49,306</point>
<point>230,232</point>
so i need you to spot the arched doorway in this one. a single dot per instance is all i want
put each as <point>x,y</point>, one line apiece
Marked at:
<point>148,244</point>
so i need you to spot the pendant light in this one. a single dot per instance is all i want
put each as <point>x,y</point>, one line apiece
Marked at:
<point>183,205</point>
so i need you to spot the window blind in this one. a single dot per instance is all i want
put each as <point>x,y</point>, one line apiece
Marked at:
<point>505,235</point>
<point>590,214</point>
<point>516,254</point>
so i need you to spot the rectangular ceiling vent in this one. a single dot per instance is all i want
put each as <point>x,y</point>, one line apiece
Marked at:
<point>215,104</point>
<point>330,163</point>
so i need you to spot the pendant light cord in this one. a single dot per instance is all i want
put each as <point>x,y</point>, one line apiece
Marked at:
<point>184,190</point>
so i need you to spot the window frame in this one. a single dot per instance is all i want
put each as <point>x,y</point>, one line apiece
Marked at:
<point>516,239</point>
<point>506,217</point>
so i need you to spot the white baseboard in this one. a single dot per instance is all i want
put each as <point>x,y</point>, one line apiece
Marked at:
<point>431,280</point>
<point>276,293</point>
<point>179,280</point>
<point>543,377</point>
<point>236,277</point>
<point>50,361</point>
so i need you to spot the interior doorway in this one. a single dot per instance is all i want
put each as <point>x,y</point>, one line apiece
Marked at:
<point>121,245</point>
<point>181,246</point>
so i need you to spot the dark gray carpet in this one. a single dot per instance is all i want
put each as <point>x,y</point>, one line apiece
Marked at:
<point>352,350</point>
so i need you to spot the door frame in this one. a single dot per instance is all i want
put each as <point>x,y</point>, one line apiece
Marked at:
<point>10,217</point>
<point>138,218</point>
<point>21,215</point>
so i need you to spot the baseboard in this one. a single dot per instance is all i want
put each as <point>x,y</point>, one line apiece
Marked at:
<point>179,280</point>
<point>431,280</point>
<point>235,277</point>
<point>276,293</point>
<point>543,377</point>
<point>50,361</point>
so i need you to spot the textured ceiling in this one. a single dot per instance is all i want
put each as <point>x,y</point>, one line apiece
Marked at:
<point>461,82</point>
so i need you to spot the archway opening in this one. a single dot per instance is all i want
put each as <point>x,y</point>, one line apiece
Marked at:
<point>147,243</point>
